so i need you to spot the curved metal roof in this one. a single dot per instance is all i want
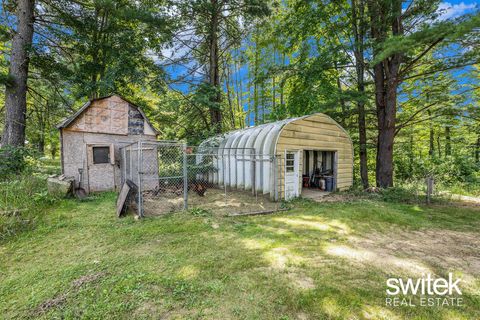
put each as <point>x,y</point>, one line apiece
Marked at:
<point>261,138</point>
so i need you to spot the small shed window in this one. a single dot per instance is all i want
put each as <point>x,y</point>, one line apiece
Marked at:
<point>290,162</point>
<point>101,155</point>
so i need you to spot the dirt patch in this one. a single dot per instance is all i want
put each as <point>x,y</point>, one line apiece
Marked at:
<point>448,249</point>
<point>339,197</point>
<point>301,281</point>
<point>87,279</point>
<point>51,303</point>
<point>422,251</point>
<point>213,200</point>
<point>474,201</point>
<point>61,298</point>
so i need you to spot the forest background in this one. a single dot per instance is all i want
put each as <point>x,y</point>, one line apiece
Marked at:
<point>401,76</point>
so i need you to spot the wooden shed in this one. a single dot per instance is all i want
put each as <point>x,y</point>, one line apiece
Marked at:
<point>91,139</point>
<point>290,156</point>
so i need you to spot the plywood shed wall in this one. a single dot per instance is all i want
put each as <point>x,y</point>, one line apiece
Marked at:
<point>109,121</point>
<point>270,141</point>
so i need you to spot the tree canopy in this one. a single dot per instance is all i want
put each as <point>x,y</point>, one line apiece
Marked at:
<point>401,77</point>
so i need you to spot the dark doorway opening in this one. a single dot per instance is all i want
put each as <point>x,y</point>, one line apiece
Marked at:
<point>319,171</point>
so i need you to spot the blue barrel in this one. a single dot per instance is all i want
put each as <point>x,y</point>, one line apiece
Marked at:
<point>329,184</point>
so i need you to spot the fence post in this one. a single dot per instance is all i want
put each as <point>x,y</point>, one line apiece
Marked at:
<point>185,178</point>
<point>124,165</point>
<point>224,174</point>
<point>140,173</point>
<point>274,174</point>
<point>130,155</point>
<point>429,182</point>
<point>254,171</point>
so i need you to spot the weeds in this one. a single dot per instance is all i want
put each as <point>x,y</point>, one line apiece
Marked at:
<point>23,199</point>
<point>199,212</point>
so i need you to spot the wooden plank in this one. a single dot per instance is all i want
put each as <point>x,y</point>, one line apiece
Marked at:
<point>122,198</point>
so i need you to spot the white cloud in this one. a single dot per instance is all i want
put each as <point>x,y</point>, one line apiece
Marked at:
<point>450,11</point>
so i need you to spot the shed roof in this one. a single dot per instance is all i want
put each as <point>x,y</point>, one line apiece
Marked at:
<point>66,122</point>
<point>262,138</point>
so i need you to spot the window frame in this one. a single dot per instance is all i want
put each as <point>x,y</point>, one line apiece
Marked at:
<point>109,154</point>
<point>290,162</point>
<point>95,156</point>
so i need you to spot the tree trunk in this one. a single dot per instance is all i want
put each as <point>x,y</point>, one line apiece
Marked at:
<point>215,111</point>
<point>438,147</point>
<point>410,155</point>
<point>386,79</point>
<point>282,84</point>
<point>95,58</point>
<point>359,33</point>
<point>16,91</point>
<point>262,102</point>
<point>341,100</point>
<point>229,95</point>
<point>239,92</point>
<point>255,85</point>
<point>431,150</point>
<point>248,118</point>
<point>41,145</point>
<point>477,149</point>
<point>386,112</point>
<point>53,149</point>
<point>274,93</point>
<point>448,145</point>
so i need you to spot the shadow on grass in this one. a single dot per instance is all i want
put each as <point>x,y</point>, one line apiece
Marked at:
<point>314,262</point>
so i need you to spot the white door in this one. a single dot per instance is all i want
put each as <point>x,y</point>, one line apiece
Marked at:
<point>291,174</point>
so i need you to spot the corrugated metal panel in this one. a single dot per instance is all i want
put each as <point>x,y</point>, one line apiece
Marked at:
<point>240,149</point>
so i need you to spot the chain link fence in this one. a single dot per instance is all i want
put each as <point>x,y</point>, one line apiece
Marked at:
<point>171,176</point>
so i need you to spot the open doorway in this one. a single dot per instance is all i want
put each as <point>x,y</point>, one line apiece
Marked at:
<point>319,172</point>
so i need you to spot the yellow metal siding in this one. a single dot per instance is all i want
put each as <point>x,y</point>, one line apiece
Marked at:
<point>317,132</point>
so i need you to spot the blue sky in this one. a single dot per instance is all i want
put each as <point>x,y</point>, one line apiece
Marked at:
<point>455,8</point>
<point>450,9</point>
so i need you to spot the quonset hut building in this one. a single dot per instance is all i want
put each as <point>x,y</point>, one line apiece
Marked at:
<point>281,159</point>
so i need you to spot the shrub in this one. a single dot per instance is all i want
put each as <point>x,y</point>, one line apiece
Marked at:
<point>12,160</point>
<point>407,193</point>
<point>446,170</point>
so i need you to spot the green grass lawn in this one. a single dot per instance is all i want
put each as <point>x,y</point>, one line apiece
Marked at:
<point>316,261</point>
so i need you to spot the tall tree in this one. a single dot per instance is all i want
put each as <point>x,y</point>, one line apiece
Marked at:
<point>385,19</point>
<point>401,40</point>
<point>359,33</point>
<point>211,29</point>
<point>106,46</point>
<point>16,88</point>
